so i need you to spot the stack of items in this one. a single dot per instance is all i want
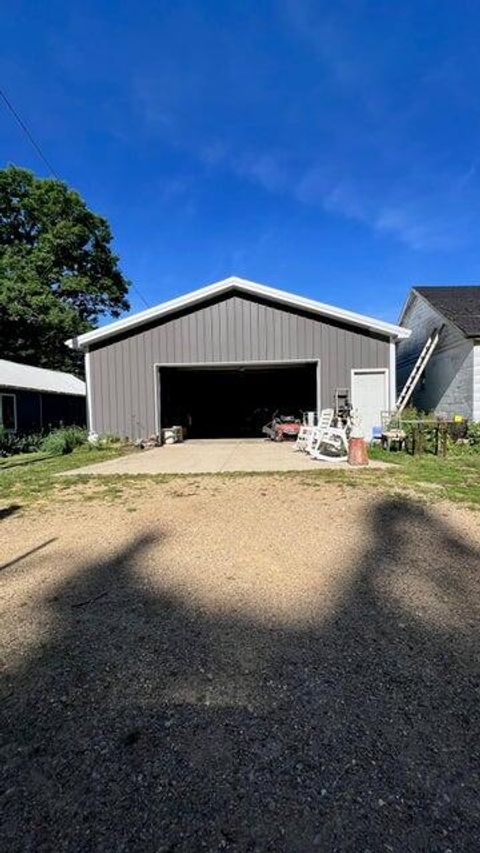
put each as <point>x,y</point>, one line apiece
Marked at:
<point>172,435</point>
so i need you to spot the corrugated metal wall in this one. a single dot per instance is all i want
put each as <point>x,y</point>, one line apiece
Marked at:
<point>236,328</point>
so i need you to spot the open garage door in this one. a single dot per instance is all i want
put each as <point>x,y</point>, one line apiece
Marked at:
<point>234,401</point>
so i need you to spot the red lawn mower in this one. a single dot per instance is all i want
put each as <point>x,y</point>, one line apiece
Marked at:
<point>282,428</point>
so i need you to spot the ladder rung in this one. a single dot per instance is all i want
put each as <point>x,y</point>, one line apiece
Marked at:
<point>417,370</point>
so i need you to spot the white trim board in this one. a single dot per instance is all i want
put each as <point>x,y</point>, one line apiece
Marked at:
<point>216,364</point>
<point>244,286</point>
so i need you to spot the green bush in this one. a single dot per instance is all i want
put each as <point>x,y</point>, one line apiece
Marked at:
<point>411,413</point>
<point>473,434</point>
<point>11,443</point>
<point>6,442</point>
<point>63,440</point>
<point>28,443</point>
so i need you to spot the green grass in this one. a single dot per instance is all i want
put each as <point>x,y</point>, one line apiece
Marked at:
<point>455,478</point>
<point>32,477</point>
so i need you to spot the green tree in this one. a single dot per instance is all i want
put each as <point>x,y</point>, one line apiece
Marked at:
<point>58,274</point>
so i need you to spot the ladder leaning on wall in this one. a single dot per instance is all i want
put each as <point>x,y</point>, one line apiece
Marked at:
<point>417,371</point>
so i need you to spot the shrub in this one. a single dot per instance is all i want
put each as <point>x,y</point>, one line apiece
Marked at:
<point>77,435</point>
<point>11,443</point>
<point>473,434</point>
<point>411,413</point>
<point>27,443</point>
<point>6,442</point>
<point>63,440</point>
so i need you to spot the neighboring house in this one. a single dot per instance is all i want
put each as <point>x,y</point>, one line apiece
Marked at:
<point>451,381</point>
<point>33,399</point>
<point>221,359</point>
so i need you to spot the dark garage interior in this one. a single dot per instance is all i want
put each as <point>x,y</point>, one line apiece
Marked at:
<point>235,401</point>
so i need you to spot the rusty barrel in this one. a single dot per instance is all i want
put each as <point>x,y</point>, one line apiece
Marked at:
<point>357,451</point>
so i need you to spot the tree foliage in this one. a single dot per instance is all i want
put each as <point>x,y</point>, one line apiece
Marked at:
<point>58,274</point>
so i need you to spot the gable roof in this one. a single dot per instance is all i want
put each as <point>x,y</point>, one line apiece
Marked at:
<point>14,375</point>
<point>458,303</point>
<point>244,286</point>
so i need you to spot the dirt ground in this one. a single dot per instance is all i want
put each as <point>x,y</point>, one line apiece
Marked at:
<point>251,664</point>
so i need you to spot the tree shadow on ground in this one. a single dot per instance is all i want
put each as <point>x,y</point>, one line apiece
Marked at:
<point>21,463</point>
<point>149,724</point>
<point>7,511</point>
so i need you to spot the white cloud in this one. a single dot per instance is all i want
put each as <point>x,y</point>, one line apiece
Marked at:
<point>360,142</point>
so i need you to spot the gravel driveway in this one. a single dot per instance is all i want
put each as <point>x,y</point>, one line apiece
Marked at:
<point>249,664</point>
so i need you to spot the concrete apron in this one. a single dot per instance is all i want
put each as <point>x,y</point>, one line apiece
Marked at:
<point>212,456</point>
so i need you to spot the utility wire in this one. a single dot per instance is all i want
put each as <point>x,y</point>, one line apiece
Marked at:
<point>135,288</point>
<point>42,156</point>
<point>27,133</point>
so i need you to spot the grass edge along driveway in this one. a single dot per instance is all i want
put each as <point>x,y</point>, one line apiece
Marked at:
<point>30,478</point>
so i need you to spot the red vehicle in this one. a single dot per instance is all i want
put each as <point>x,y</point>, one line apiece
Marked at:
<point>282,428</point>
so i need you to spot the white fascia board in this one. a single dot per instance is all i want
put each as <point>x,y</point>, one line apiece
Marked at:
<point>245,286</point>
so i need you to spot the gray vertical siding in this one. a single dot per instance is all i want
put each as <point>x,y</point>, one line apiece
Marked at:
<point>232,329</point>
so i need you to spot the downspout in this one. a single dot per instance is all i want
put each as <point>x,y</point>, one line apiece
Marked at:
<point>88,385</point>
<point>393,374</point>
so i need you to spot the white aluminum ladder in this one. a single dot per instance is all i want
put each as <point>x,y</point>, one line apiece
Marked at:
<point>417,371</point>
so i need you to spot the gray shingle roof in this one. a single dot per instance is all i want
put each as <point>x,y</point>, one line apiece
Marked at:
<point>459,304</point>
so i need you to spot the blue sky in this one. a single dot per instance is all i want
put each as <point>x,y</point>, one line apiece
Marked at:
<point>331,149</point>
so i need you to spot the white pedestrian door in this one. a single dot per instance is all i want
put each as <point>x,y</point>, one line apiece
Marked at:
<point>369,398</point>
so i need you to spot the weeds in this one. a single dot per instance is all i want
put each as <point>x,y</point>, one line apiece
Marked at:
<point>63,440</point>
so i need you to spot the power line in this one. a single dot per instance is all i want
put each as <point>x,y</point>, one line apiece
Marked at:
<point>49,166</point>
<point>135,288</point>
<point>27,133</point>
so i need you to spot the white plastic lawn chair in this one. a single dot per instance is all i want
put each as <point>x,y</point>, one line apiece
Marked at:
<point>315,433</point>
<point>309,430</point>
<point>332,446</point>
<point>302,437</point>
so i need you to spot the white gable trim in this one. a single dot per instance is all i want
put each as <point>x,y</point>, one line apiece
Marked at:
<point>250,287</point>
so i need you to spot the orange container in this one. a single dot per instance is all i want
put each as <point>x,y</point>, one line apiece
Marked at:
<point>357,451</point>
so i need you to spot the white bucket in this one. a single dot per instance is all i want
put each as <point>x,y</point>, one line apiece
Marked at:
<point>169,436</point>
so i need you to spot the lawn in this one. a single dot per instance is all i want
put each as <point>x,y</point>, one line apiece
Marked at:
<point>455,478</point>
<point>27,478</point>
<point>432,478</point>
<point>30,476</point>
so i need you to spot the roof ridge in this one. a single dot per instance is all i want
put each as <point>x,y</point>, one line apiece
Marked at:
<point>219,287</point>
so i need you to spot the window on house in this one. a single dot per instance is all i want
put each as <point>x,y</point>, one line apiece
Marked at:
<point>8,419</point>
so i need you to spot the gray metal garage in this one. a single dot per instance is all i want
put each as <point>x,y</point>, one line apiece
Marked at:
<point>221,358</point>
